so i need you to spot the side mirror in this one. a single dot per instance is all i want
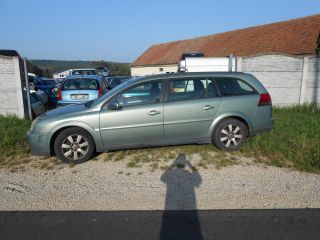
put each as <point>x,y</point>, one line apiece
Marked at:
<point>36,88</point>
<point>114,105</point>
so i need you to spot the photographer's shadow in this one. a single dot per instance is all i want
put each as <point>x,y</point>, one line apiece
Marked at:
<point>180,218</point>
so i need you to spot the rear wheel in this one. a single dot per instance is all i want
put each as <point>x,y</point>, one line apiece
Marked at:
<point>230,134</point>
<point>74,145</point>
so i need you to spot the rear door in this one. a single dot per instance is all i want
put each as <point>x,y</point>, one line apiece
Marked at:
<point>190,107</point>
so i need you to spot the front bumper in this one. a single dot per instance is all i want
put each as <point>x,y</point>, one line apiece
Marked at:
<point>38,143</point>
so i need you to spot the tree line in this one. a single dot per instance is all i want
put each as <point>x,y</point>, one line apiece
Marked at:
<point>46,68</point>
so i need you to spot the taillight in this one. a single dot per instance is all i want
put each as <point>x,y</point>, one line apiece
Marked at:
<point>59,95</point>
<point>100,92</point>
<point>265,99</point>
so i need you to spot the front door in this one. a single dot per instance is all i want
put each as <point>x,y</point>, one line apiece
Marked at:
<point>190,108</point>
<point>139,119</point>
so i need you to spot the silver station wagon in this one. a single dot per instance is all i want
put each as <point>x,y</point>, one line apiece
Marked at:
<point>223,108</point>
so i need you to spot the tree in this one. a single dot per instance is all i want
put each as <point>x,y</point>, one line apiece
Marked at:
<point>318,46</point>
<point>47,73</point>
<point>34,69</point>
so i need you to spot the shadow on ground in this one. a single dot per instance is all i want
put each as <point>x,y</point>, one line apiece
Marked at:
<point>181,180</point>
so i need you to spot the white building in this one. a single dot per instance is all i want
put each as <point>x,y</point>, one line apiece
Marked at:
<point>62,74</point>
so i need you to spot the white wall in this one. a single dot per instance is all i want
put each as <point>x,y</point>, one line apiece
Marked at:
<point>312,88</point>
<point>11,100</point>
<point>289,79</point>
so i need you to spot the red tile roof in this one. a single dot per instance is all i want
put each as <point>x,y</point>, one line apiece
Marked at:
<point>296,37</point>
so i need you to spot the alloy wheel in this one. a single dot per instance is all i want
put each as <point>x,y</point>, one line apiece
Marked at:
<point>75,147</point>
<point>230,135</point>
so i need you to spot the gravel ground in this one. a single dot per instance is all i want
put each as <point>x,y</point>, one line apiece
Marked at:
<point>99,185</point>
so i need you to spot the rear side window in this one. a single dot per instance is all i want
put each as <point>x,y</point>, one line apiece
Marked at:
<point>187,89</point>
<point>80,84</point>
<point>233,86</point>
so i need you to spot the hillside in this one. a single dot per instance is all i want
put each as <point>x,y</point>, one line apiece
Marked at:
<point>47,67</point>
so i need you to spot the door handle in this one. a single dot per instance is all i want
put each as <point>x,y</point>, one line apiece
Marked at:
<point>153,112</point>
<point>208,107</point>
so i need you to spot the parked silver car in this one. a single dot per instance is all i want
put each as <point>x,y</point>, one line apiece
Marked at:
<point>219,108</point>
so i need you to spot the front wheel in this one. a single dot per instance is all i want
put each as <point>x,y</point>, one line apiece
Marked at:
<point>74,145</point>
<point>230,134</point>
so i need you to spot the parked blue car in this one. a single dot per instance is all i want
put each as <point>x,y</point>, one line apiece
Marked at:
<point>38,83</point>
<point>77,89</point>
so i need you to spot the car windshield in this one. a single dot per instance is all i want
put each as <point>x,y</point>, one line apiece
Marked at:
<point>80,84</point>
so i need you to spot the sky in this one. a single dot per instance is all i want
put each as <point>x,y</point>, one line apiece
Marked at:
<point>122,30</point>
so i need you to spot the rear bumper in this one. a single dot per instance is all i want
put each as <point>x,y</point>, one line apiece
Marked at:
<point>38,144</point>
<point>263,129</point>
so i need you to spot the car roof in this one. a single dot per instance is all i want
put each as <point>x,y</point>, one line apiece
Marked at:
<point>97,77</point>
<point>189,74</point>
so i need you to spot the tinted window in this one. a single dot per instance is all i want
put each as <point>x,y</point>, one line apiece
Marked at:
<point>80,84</point>
<point>186,89</point>
<point>142,94</point>
<point>233,86</point>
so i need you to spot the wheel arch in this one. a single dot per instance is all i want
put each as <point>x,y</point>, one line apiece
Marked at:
<point>239,116</point>
<point>55,132</point>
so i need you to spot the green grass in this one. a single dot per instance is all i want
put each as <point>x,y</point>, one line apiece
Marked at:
<point>13,132</point>
<point>294,143</point>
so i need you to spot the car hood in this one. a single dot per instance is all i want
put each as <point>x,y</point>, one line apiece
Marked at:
<point>66,110</point>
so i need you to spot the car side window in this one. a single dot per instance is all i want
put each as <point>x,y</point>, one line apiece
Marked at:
<point>187,89</point>
<point>146,93</point>
<point>233,86</point>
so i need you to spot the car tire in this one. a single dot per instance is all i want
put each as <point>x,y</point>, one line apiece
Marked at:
<point>229,134</point>
<point>74,145</point>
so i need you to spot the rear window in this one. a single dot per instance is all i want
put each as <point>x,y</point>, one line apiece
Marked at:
<point>81,84</point>
<point>233,86</point>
